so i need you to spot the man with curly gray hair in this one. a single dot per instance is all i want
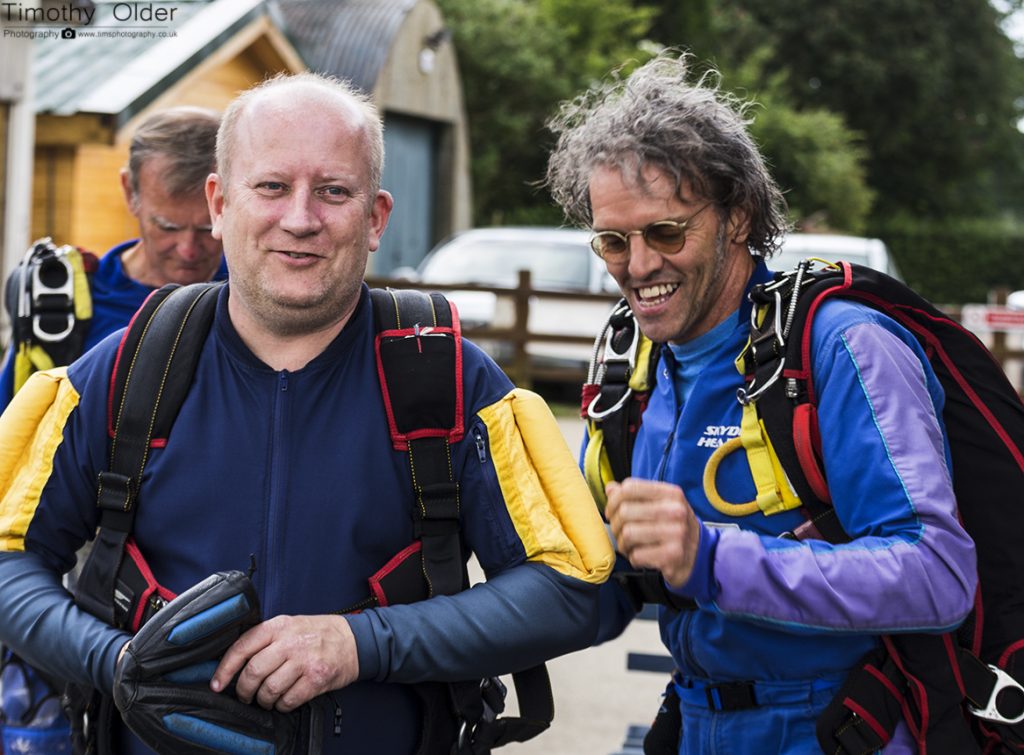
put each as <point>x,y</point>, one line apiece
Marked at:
<point>684,212</point>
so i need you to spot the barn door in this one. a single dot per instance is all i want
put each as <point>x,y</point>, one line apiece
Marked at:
<point>410,174</point>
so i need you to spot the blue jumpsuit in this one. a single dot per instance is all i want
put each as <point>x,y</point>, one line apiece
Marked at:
<point>297,468</point>
<point>794,617</point>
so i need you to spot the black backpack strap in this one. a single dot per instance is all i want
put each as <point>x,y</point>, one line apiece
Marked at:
<point>609,400</point>
<point>419,357</point>
<point>152,374</point>
<point>419,360</point>
<point>780,386</point>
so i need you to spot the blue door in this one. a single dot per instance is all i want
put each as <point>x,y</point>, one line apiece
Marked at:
<point>410,174</point>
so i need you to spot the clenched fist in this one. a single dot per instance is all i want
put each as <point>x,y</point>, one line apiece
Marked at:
<point>654,527</point>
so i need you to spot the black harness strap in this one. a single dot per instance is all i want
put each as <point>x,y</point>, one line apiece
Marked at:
<point>147,389</point>
<point>619,360</point>
<point>420,368</point>
<point>776,409</point>
<point>161,354</point>
<point>437,516</point>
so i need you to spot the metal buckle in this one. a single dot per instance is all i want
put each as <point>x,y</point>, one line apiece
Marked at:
<point>611,355</point>
<point>492,692</point>
<point>750,394</point>
<point>41,288</point>
<point>991,711</point>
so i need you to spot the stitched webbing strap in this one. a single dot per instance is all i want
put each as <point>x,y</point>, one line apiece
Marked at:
<point>437,515</point>
<point>152,374</point>
<point>774,493</point>
<point>776,408</point>
<point>153,386</point>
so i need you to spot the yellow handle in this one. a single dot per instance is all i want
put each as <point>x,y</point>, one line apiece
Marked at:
<point>710,489</point>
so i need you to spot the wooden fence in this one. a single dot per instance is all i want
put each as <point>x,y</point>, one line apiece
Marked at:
<point>523,371</point>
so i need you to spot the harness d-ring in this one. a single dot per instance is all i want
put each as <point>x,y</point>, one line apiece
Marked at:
<point>710,489</point>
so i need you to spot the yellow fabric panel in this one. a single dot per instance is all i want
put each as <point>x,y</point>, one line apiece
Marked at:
<point>774,492</point>
<point>597,470</point>
<point>82,295</point>
<point>28,359</point>
<point>32,428</point>
<point>546,496</point>
<point>642,366</point>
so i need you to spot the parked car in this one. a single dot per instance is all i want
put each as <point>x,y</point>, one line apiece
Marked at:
<point>558,259</point>
<point>832,248</point>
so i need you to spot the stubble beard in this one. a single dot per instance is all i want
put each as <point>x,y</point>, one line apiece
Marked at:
<point>702,300</point>
<point>312,314</point>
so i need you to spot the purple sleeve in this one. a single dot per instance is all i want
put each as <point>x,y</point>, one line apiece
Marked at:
<point>910,566</point>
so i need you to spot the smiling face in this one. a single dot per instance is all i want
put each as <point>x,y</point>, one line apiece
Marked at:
<point>681,296</point>
<point>296,212</point>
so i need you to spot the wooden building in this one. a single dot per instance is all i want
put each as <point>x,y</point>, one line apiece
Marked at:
<point>17,125</point>
<point>90,92</point>
<point>399,52</point>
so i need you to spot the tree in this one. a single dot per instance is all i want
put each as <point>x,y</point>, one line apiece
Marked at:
<point>518,60</point>
<point>817,160</point>
<point>930,83</point>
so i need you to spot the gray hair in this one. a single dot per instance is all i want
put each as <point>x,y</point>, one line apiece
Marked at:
<point>374,128</point>
<point>694,133</point>
<point>186,136</point>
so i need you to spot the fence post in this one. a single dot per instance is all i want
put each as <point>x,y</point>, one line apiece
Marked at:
<point>521,374</point>
<point>999,349</point>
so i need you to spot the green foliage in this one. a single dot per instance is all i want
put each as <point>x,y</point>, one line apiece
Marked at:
<point>895,118</point>
<point>819,164</point>
<point>932,87</point>
<point>518,60</point>
<point>816,159</point>
<point>931,84</point>
<point>957,260</point>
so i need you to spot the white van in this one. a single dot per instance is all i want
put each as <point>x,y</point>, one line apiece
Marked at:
<point>833,248</point>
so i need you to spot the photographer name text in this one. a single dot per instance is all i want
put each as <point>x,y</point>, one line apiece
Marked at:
<point>67,14</point>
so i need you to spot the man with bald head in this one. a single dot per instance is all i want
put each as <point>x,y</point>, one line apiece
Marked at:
<point>281,455</point>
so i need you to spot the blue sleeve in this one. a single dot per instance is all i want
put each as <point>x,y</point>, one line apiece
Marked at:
<point>701,585</point>
<point>43,625</point>
<point>513,621</point>
<point>615,609</point>
<point>7,378</point>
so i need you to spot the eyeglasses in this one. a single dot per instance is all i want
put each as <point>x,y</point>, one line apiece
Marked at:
<point>663,236</point>
<point>170,226</point>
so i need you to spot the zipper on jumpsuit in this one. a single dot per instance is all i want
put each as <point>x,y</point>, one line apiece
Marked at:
<point>277,491</point>
<point>481,447</point>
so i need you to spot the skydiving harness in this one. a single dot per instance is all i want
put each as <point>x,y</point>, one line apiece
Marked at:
<point>958,692</point>
<point>419,363</point>
<point>50,306</point>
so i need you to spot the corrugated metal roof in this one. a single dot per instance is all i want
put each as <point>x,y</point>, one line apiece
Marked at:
<point>347,38</point>
<point>124,70</point>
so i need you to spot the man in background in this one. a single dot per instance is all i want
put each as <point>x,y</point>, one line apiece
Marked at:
<point>171,154</point>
